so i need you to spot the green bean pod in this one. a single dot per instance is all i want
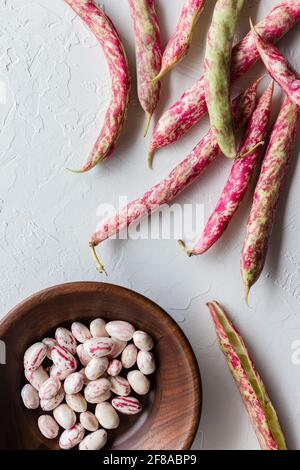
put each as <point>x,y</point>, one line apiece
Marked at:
<point>217,73</point>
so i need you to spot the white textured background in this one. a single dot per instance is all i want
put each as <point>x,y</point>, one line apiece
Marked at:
<point>57,89</point>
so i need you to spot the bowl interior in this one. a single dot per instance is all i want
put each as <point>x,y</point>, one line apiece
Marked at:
<point>171,410</point>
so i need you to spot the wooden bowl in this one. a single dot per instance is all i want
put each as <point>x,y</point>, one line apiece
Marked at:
<point>171,413</point>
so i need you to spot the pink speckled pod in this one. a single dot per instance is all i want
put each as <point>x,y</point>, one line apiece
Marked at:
<point>261,411</point>
<point>182,175</point>
<point>179,44</point>
<point>279,68</point>
<point>148,54</point>
<point>108,37</point>
<point>240,176</point>
<point>267,192</point>
<point>191,107</point>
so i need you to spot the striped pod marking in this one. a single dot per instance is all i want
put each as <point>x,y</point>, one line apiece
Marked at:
<point>240,176</point>
<point>279,68</point>
<point>267,192</point>
<point>179,44</point>
<point>257,402</point>
<point>148,54</point>
<point>108,37</point>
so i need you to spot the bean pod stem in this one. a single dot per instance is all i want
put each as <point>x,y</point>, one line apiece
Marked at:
<point>217,73</point>
<point>179,179</point>
<point>258,404</point>
<point>179,44</point>
<point>240,176</point>
<point>108,37</point>
<point>278,67</point>
<point>191,107</point>
<point>148,54</point>
<point>267,192</point>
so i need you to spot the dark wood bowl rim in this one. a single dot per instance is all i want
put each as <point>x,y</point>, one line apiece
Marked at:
<point>33,300</point>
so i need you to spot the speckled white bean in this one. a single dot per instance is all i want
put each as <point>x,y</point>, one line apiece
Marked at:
<point>66,340</point>
<point>107,416</point>
<point>48,426</point>
<point>94,441</point>
<point>30,397</point>
<point>49,342</point>
<point>121,330</point>
<point>50,388</point>
<point>99,347</point>
<point>64,416</point>
<point>63,359</point>
<point>97,328</point>
<point>129,356</point>
<point>143,341</point>
<point>96,388</point>
<point>127,405</point>
<point>99,399</point>
<point>120,386</point>
<point>80,332</point>
<point>34,356</point>
<point>36,377</point>
<point>118,348</point>
<point>77,402</point>
<point>49,405</point>
<point>146,362</point>
<point>83,356</point>
<point>71,437</point>
<point>114,368</point>
<point>74,383</point>
<point>138,382</point>
<point>96,368</point>
<point>60,374</point>
<point>89,421</point>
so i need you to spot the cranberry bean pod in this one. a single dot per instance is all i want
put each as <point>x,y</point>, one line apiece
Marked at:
<point>267,192</point>
<point>179,44</point>
<point>179,179</point>
<point>191,107</point>
<point>148,54</point>
<point>217,73</point>
<point>261,411</point>
<point>279,68</point>
<point>109,39</point>
<point>240,176</point>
